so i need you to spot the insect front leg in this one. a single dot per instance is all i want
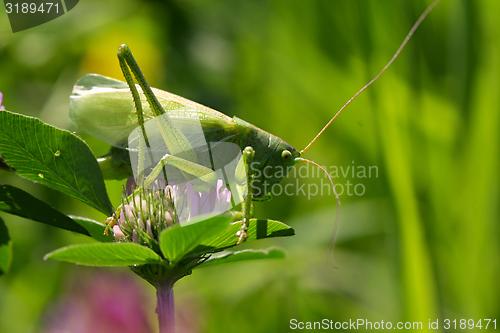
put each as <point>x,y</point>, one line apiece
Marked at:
<point>201,172</point>
<point>242,234</point>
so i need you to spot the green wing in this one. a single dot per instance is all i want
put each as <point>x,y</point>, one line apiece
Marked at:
<point>103,108</point>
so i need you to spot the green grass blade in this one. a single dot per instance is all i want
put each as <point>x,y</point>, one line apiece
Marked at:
<point>416,267</point>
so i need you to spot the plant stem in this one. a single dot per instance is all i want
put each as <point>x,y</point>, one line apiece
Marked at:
<point>165,307</point>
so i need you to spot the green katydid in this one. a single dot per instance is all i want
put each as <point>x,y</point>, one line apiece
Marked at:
<point>96,96</point>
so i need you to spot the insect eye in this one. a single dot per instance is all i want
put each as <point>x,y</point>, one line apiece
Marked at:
<point>285,154</point>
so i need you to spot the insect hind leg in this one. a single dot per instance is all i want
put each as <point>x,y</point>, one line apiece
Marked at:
<point>129,66</point>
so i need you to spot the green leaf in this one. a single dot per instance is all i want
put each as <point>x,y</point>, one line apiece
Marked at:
<point>105,254</point>
<point>20,203</point>
<point>258,229</point>
<point>5,249</point>
<point>177,241</point>
<point>244,255</point>
<point>93,227</point>
<point>52,157</point>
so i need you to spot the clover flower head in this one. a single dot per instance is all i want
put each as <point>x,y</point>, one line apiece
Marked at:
<point>143,215</point>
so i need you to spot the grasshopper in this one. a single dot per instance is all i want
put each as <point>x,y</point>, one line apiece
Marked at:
<point>98,96</point>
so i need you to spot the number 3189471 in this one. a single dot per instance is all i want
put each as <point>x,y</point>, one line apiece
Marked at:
<point>32,7</point>
<point>470,324</point>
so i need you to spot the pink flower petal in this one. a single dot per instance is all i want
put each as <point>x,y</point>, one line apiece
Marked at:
<point>118,233</point>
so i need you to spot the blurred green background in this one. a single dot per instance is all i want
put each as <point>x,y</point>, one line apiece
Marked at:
<point>421,243</point>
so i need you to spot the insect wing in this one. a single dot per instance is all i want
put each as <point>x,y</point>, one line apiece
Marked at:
<point>203,175</point>
<point>103,107</point>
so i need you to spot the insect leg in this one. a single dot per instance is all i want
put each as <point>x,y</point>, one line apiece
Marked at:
<point>130,67</point>
<point>203,173</point>
<point>248,154</point>
<point>135,94</point>
<point>125,55</point>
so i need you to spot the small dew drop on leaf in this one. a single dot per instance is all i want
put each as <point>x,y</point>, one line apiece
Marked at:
<point>57,153</point>
<point>41,175</point>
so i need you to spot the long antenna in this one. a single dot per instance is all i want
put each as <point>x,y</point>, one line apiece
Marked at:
<point>415,26</point>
